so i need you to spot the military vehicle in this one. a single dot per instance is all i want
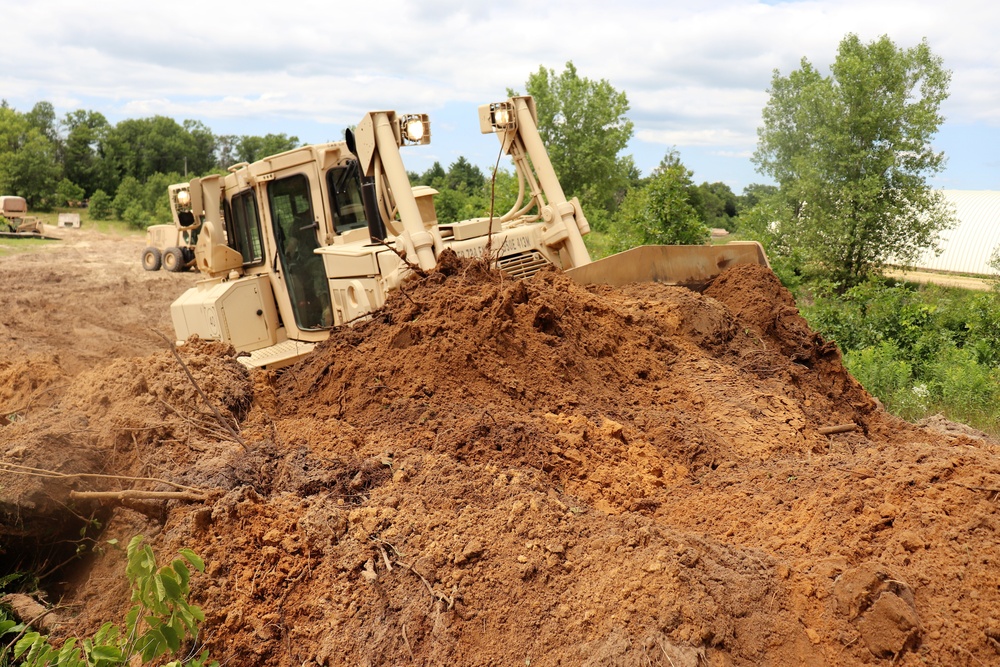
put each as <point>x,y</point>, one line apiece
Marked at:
<point>298,243</point>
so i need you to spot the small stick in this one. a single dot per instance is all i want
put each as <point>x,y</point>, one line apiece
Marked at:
<point>41,472</point>
<point>407,642</point>
<point>135,494</point>
<point>839,428</point>
<point>413,267</point>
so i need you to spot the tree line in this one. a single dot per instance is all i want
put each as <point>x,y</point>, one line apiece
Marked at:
<point>51,161</point>
<point>850,155</point>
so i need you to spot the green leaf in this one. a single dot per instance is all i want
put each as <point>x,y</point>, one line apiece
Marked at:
<point>170,585</point>
<point>131,618</point>
<point>197,612</point>
<point>170,637</point>
<point>67,652</point>
<point>161,590</point>
<point>183,573</point>
<point>25,643</point>
<point>155,644</point>
<point>106,652</point>
<point>193,558</point>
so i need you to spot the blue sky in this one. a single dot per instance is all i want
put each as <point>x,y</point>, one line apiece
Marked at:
<point>696,74</point>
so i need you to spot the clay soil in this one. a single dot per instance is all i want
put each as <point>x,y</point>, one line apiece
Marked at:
<point>493,472</point>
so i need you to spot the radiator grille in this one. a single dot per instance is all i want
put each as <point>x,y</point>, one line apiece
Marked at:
<point>523,265</point>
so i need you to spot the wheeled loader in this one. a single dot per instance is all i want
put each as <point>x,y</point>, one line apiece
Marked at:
<point>299,243</point>
<point>172,246</point>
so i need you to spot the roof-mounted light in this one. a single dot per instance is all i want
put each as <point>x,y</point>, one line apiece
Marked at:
<point>184,198</point>
<point>497,117</point>
<point>414,129</point>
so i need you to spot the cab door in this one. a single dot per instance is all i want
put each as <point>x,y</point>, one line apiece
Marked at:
<point>296,229</point>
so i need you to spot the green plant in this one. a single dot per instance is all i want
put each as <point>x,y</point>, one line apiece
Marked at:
<point>884,373</point>
<point>161,621</point>
<point>100,205</point>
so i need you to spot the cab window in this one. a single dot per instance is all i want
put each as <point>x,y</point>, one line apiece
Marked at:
<point>344,185</point>
<point>243,228</point>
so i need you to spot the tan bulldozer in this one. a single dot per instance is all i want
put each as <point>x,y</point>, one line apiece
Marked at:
<point>299,243</point>
<point>16,223</point>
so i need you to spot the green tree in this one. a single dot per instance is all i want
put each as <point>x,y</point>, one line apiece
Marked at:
<point>202,159</point>
<point>32,171</point>
<point>851,153</point>
<point>130,194</point>
<point>463,173</point>
<point>100,205</point>
<point>67,191</point>
<point>433,177</point>
<point>42,117</point>
<point>584,127</point>
<point>753,194</point>
<point>141,147</point>
<point>718,205</point>
<point>661,211</point>
<point>252,148</point>
<point>83,161</point>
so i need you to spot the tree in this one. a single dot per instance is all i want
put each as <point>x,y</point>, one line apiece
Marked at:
<point>100,205</point>
<point>584,127</point>
<point>754,193</point>
<point>82,159</point>
<point>31,171</point>
<point>68,191</point>
<point>660,212</point>
<point>141,147</point>
<point>130,193</point>
<point>718,205</point>
<point>252,148</point>
<point>851,153</point>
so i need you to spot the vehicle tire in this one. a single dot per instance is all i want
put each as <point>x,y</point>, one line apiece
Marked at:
<point>151,259</point>
<point>173,260</point>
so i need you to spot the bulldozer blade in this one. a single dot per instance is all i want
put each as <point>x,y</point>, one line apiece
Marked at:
<point>690,266</point>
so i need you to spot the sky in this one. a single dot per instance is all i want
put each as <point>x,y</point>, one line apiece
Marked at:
<point>696,74</point>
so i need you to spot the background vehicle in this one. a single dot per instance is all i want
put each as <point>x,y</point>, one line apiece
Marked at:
<point>318,236</point>
<point>172,246</point>
<point>15,221</point>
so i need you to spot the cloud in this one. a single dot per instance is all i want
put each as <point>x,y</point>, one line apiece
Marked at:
<point>695,73</point>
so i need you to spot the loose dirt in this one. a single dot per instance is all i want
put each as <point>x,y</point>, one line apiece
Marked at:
<point>493,472</point>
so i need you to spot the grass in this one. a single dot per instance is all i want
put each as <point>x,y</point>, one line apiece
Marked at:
<point>14,246</point>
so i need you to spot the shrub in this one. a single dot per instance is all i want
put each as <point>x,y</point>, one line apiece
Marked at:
<point>160,622</point>
<point>136,216</point>
<point>100,205</point>
<point>129,193</point>
<point>68,191</point>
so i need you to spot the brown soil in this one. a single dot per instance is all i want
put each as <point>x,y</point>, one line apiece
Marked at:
<point>501,473</point>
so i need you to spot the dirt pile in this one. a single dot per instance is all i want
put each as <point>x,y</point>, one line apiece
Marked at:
<point>500,472</point>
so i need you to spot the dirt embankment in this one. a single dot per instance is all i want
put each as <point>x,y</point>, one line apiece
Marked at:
<point>497,472</point>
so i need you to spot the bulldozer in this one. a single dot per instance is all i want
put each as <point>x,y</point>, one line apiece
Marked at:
<point>317,237</point>
<point>16,223</point>
<point>172,246</point>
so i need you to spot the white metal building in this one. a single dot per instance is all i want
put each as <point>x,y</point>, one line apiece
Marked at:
<point>968,247</point>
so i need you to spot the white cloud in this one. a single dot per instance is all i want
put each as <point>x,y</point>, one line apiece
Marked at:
<point>695,73</point>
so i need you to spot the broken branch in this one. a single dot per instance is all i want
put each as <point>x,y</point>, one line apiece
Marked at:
<point>134,494</point>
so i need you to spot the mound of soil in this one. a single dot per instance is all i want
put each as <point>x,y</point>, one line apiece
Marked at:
<point>500,472</point>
